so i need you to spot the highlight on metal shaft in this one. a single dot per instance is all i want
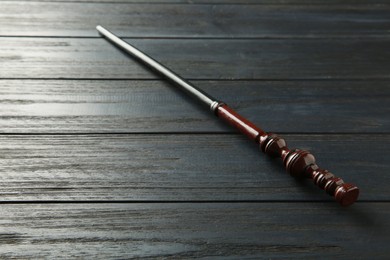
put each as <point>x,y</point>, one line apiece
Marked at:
<point>299,163</point>
<point>155,65</point>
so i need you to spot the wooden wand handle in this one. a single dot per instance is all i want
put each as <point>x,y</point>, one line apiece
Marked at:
<point>299,163</point>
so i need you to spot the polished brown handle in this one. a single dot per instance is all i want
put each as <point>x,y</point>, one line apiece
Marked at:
<point>302,164</point>
<point>299,163</point>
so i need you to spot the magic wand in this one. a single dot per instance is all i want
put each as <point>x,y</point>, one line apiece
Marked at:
<point>299,163</point>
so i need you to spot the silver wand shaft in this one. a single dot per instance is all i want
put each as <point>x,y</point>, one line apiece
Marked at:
<point>191,89</point>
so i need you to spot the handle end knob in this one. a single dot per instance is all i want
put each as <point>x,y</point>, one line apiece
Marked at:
<point>347,194</point>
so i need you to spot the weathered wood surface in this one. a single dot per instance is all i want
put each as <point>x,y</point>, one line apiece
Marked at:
<point>124,106</point>
<point>187,230</point>
<point>194,20</point>
<point>223,2</point>
<point>172,185</point>
<point>369,3</point>
<point>197,59</point>
<point>181,167</point>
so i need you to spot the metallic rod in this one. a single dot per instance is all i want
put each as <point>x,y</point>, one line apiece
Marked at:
<point>299,163</point>
<point>179,81</point>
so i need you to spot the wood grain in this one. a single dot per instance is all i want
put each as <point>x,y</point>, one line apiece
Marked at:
<point>128,106</point>
<point>182,231</point>
<point>193,20</point>
<point>174,167</point>
<point>197,59</point>
<point>101,159</point>
<point>224,2</point>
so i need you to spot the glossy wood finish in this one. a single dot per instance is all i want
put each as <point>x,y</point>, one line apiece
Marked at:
<point>90,169</point>
<point>242,124</point>
<point>299,163</point>
<point>302,164</point>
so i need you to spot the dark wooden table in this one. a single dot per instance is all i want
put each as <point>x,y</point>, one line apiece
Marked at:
<point>102,159</point>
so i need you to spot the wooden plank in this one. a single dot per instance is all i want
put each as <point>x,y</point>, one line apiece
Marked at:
<point>199,20</point>
<point>131,106</point>
<point>197,59</point>
<point>181,167</point>
<point>223,2</point>
<point>182,231</point>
